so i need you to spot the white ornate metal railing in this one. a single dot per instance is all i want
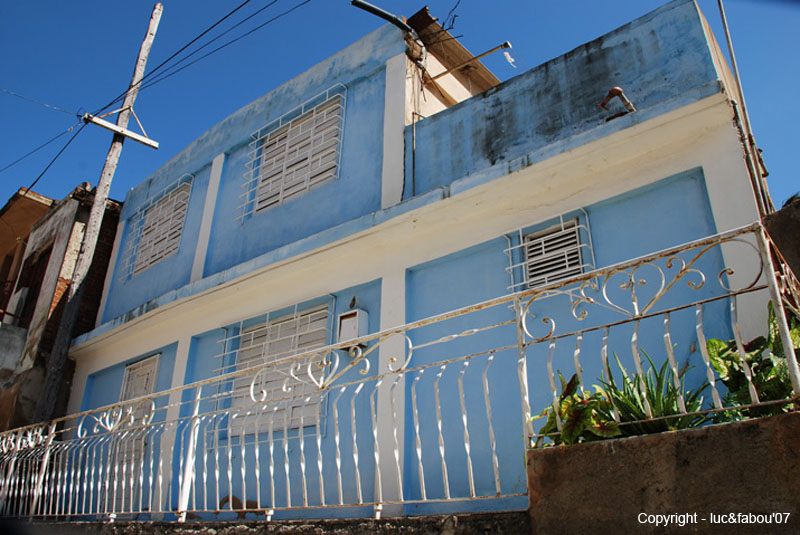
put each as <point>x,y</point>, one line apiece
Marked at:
<point>435,411</point>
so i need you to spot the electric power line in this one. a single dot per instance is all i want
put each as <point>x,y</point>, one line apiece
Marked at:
<point>453,15</point>
<point>49,106</point>
<point>43,145</point>
<point>56,157</point>
<point>184,47</point>
<point>197,50</point>
<point>260,26</point>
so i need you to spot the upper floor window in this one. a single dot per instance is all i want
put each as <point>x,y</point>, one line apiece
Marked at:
<point>296,153</point>
<point>156,229</point>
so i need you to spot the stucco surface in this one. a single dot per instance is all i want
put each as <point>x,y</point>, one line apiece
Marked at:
<point>602,487</point>
<point>661,60</point>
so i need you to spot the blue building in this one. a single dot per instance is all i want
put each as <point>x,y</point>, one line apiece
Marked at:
<point>350,296</point>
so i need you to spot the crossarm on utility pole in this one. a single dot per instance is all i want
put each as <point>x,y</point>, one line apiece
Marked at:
<point>58,356</point>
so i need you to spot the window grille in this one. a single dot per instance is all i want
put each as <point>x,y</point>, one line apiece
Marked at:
<point>156,229</point>
<point>550,255</point>
<point>271,341</point>
<point>296,153</point>
<point>130,450</point>
<point>140,378</point>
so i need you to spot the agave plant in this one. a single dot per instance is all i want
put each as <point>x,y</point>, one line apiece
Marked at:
<point>658,388</point>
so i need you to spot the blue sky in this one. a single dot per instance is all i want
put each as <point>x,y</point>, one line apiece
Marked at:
<point>78,55</point>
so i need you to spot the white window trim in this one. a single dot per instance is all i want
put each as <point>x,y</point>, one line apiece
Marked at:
<point>153,362</point>
<point>290,172</point>
<point>176,195</point>
<point>576,257</point>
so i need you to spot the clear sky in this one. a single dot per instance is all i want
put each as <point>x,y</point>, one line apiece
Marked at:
<point>78,55</point>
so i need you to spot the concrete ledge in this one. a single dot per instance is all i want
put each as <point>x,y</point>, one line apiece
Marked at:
<point>603,487</point>
<point>489,523</point>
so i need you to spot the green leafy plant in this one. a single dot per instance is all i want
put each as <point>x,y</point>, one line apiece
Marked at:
<point>587,417</point>
<point>584,416</point>
<point>768,368</point>
<point>658,388</point>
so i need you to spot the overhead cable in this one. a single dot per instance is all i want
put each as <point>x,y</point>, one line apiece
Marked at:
<point>49,106</point>
<point>56,157</point>
<point>170,58</point>
<point>43,145</point>
<point>234,40</point>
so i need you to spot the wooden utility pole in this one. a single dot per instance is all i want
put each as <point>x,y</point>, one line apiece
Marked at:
<point>58,357</point>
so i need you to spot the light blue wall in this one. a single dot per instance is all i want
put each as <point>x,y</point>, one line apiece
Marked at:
<point>357,190</point>
<point>129,291</point>
<point>673,211</point>
<point>104,387</point>
<point>661,60</point>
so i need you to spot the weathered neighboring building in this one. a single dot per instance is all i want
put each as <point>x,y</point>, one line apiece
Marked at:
<point>17,217</point>
<point>47,262</point>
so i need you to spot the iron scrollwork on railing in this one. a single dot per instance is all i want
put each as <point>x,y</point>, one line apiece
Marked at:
<point>123,416</point>
<point>323,368</point>
<point>634,278</point>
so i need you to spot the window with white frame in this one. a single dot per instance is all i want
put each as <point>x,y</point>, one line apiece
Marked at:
<point>287,394</point>
<point>296,153</point>
<point>156,229</point>
<point>140,378</point>
<point>549,255</point>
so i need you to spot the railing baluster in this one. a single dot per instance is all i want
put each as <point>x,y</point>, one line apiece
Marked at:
<point>272,500</point>
<point>737,335</point>
<point>376,448</point>
<point>701,342</point>
<point>445,480</point>
<point>188,467</point>
<point>355,440</point>
<point>301,438</point>
<point>552,377</point>
<point>151,475</point>
<point>637,360</point>
<point>286,410</point>
<point>229,452</point>
<point>676,378</point>
<point>243,463</point>
<point>522,370</point>
<point>256,454</point>
<point>394,435</point>
<point>335,406</point>
<point>607,370</point>
<point>319,461</point>
<point>464,419</point>
<point>492,441</point>
<point>576,359</point>
<point>217,472</point>
<point>161,500</point>
<point>416,434</point>
<point>205,462</point>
